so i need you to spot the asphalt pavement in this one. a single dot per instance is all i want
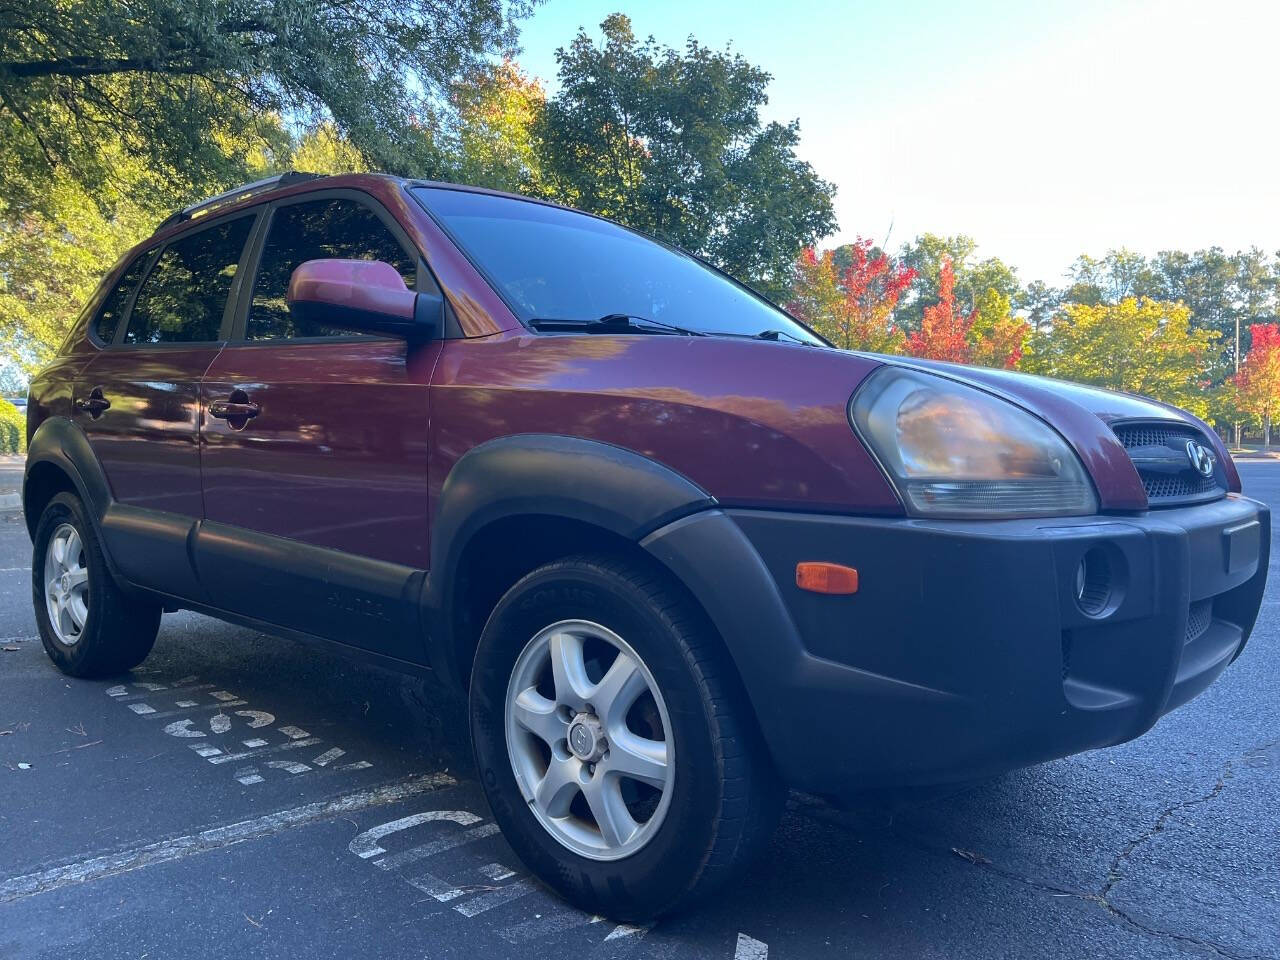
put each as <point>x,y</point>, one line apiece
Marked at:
<point>245,796</point>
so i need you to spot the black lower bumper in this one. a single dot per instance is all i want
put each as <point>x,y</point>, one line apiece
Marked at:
<point>966,651</point>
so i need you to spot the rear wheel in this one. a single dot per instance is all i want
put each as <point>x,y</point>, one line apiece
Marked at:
<point>88,625</point>
<point>613,743</point>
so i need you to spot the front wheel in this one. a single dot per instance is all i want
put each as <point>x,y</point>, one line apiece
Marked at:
<point>613,742</point>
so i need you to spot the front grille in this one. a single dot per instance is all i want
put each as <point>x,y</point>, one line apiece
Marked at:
<point>1198,619</point>
<point>1159,452</point>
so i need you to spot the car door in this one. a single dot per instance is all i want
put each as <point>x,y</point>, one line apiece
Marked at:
<point>138,399</point>
<point>315,484</point>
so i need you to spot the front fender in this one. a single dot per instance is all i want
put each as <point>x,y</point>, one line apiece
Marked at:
<point>538,474</point>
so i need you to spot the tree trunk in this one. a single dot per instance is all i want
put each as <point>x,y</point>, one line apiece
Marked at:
<point>1237,432</point>
<point>1266,432</point>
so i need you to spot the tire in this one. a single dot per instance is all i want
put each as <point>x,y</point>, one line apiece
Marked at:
<point>102,631</point>
<point>720,797</point>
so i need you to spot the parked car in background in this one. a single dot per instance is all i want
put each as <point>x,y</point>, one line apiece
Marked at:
<point>678,551</point>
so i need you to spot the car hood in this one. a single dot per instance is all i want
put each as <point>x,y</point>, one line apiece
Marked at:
<point>1083,415</point>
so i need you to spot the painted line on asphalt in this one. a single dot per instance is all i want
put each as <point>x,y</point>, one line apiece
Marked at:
<point>177,848</point>
<point>749,948</point>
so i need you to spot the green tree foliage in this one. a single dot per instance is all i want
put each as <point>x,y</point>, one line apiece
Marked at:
<point>54,255</point>
<point>13,428</point>
<point>173,81</point>
<point>497,111</point>
<point>671,142</point>
<point>323,149</point>
<point>1141,346</point>
<point>926,256</point>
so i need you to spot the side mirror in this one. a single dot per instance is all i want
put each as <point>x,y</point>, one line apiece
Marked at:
<point>368,296</point>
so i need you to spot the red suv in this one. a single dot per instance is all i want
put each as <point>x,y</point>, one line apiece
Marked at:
<point>678,550</point>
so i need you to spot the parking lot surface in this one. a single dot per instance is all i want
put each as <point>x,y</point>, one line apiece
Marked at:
<point>244,796</point>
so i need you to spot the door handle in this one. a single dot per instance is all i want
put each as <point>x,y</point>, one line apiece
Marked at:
<point>95,404</point>
<point>232,410</point>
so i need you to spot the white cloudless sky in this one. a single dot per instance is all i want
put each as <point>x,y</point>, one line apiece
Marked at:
<point>1042,129</point>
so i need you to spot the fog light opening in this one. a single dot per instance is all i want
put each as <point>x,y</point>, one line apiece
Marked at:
<point>1094,582</point>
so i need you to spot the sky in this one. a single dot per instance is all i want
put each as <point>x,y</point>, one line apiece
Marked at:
<point>1042,129</point>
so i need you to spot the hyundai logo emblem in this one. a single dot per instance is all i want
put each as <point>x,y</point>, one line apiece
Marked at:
<point>1200,458</point>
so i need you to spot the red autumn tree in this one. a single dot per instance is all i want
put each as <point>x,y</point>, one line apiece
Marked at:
<point>988,335</point>
<point>944,332</point>
<point>1257,385</point>
<point>853,307</point>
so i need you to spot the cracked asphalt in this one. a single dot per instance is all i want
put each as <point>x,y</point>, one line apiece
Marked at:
<point>247,796</point>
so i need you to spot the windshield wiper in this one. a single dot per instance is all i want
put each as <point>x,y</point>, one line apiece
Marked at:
<point>613,323</point>
<point>775,334</point>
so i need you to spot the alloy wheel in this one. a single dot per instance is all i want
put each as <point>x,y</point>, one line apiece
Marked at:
<point>66,584</point>
<point>590,740</point>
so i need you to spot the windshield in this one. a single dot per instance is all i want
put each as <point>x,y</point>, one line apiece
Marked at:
<point>555,264</point>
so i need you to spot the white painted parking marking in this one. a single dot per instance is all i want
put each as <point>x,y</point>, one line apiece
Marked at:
<point>433,886</point>
<point>254,743</point>
<point>497,872</point>
<point>358,765</point>
<point>117,691</point>
<point>220,723</point>
<point>495,898</point>
<point>224,696</point>
<point>141,709</point>
<point>329,756</point>
<point>549,924</point>
<point>176,848</point>
<point>625,930</point>
<point>186,703</point>
<point>414,854</point>
<point>205,749</point>
<point>257,718</point>
<point>248,776</point>
<point>290,766</point>
<point>182,728</point>
<point>291,745</point>
<point>178,688</point>
<point>750,948</point>
<point>165,714</point>
<point>295,732</point>
<point>365,845</point>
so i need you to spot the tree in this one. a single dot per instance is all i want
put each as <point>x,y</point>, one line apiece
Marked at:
<point>988,335</point>
<point>1147,347</point>
<point>498,108</point>
<point>1041,302</point>
<point>167,78</point>
<point>996,337</point>
<point>323,149</point>
<point>52,258</point>
<point>926,256</point>
<point>1257,384</point>
<point>944,330</point>
<point>852,306</point>
<point>671,142</point>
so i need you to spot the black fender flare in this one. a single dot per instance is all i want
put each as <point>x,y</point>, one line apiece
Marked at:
<point>550,475</point>
<point>60,442</point>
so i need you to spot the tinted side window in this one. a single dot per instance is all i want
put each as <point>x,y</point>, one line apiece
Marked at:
<point>183,297</point>
<point>112,309</point>
<point>316,230</point>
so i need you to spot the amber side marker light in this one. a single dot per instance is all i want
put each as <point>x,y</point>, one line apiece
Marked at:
<point>826,578</point>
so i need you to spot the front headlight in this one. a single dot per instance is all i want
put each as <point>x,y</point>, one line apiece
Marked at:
<point>953,451</point>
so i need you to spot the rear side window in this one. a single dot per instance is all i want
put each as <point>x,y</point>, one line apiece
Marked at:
<point>316,230</point>
<point>183,297</point>
<point>113,307</point>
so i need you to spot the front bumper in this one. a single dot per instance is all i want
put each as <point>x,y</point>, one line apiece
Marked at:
<point>964,652</point>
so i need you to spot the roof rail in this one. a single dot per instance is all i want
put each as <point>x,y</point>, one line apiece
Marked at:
<point>286,179</point>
